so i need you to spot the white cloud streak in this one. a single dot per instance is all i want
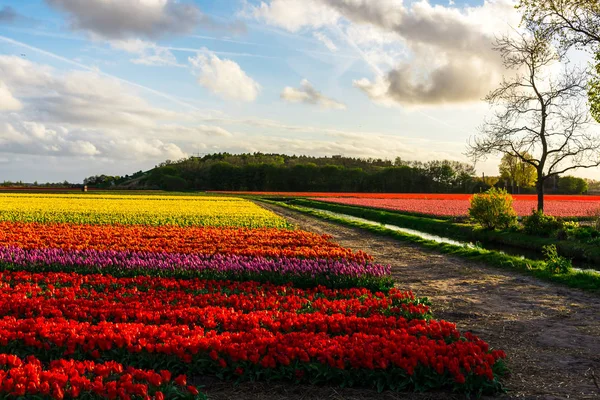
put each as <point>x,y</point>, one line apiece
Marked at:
<point>155,92</point>
<point>321,37</point>
<point>148,53</point>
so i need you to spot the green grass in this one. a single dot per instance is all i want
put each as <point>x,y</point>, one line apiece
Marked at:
<point>463,231</point>
<point>581,280</point>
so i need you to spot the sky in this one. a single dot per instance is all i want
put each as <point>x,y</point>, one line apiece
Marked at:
<point>116,86</point>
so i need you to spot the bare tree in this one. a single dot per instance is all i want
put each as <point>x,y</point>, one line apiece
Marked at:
<point>539,118</point>
<point>575,23</point>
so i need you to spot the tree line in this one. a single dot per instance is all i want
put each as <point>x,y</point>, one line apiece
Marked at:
<point>278,172</point>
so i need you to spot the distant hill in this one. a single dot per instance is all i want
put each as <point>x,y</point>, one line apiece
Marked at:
<point>279,172</point>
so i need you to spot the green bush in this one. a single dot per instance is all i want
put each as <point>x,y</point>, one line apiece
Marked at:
<point>556,264</point>
<point>568,230</point>
<point>493,209</point>
<point>584,234</point>
<point>540,224</point>
<point>588,234</point>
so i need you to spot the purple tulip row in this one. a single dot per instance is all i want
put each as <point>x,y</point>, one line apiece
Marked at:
<point>218,263</point>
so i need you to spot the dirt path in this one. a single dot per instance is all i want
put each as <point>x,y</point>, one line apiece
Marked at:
<point>550,333</point>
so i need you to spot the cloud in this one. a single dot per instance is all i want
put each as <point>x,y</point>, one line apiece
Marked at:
<point>431,54</point>
<point>148,53</point>
<point>144,148</point>
<point>224,78</point>
<point>28,137</point>
<point>117,19</point>
<point>86,114</point>
<point>34,138</point>
<point>8,15</point>
<point>83,147</point>
<point>293,14</point>
<point>325,40</point>
<point>452,58</point>
<point>387,14</point>
<point>307,94</point>
<point>454,81</point>
<point>7,101</point>
<point>371,35</point>
<point>194,131</point>
<point>77,96</point>
<point>122,19</point>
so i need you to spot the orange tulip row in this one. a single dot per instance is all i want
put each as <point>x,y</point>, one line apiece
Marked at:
<point>265,242</point>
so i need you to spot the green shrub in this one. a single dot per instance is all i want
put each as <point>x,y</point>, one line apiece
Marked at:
<point>568,230</point>
<point>585,233</point>
<point>493,209</point>
<point>556,264</point>
<point>588,234</point>
<point>540,224</point>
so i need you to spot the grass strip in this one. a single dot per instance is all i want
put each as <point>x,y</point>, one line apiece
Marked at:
<point>582,280</point>
<point>462,231</point>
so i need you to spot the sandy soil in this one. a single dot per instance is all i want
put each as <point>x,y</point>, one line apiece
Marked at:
<point>550,333</point>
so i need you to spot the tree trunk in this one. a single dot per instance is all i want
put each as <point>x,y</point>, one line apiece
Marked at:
<point>540,194</point>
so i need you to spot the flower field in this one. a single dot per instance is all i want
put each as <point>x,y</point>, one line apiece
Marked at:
<point>455,206</point>
<point>130,297</point>
<point>137,210</point>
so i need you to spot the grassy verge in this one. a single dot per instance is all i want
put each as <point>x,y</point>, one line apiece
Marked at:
<point>463,232</point>
<point>581,280</point>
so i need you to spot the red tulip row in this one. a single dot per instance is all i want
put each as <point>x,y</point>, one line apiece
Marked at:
<point>414,352</point>
<point>211,318</point>
<point>168,300</point>
<point>558,206</point>
<point>86,379</point>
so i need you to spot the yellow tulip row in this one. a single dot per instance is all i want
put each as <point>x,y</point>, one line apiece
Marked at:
<point>137,209</point>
